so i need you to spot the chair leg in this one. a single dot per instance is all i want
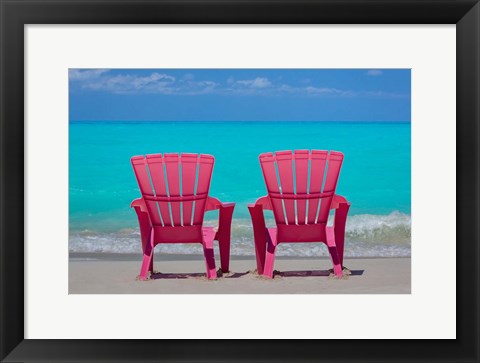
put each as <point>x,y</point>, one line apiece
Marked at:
<point>223,235</point>
<point>147,264</point>
<point>151,264</point>
<point>224,246</point>
<point>209,255</point>
<point>339,225</point>
<point>270,256</point>
<point>332,249</point>
<point>259,235</point>
<point>337,267</point>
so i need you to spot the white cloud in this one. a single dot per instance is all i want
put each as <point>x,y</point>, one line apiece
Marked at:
<point>321,90</point>
<point>195,88</point>
<point>382,94</point>
<point>286,88</point>
<point>328,91</point>
<point>80,75</point>
<point>375,72</point>
<point>209,84</point>
<point>259,82</point>
<point>155,82</point>
<point>161,83</point>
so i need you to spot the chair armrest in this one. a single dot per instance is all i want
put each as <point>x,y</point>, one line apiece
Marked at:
<point>337,200</point>
<point>214,203</point>
<point>225,214</point>
<point>139,204</point>
<point>264,202</point>
<point>143,220</point>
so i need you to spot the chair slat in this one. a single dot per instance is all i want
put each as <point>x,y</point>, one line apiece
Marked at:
<point>267,161</point>
<point>301,172</point>
<point>189,172</point>
<point>204,175</point>
<point>334,165</point>
<point>285,171</point>
<point>156,166</point>
<point>174,192</point>
<point>141,173</point>
<point>140,168</point>
<point>172,169</point>
<point>299,187</point>
<point>318,160</point>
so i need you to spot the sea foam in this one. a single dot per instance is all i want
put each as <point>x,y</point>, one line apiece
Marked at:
<point>367,235</point>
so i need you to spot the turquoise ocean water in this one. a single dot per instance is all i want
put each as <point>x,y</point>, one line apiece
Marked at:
<point>375,178</point>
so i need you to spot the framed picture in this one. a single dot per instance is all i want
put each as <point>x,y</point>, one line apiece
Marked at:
<point>158,79</point>
<point>363,113</point>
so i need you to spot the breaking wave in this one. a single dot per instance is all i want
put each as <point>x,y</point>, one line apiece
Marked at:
<point>367,235</point>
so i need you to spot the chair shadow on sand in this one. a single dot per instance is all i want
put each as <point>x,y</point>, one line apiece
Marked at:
<point>313,273</point>
<point>236,275</point>
<point>197,275</point>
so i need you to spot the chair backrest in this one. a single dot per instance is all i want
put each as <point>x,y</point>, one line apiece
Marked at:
<point>301,184</point>
<point>174,187</point>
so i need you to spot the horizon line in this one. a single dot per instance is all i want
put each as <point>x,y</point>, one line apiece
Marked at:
<point>132,121</point>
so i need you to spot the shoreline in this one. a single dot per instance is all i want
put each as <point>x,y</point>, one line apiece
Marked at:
<point>108,256</point>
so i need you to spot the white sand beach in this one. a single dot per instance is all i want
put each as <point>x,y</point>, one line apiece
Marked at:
<point>184,274</point>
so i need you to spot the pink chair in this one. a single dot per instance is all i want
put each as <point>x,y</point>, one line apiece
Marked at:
<point>300,205</point>
<point>174,200</point>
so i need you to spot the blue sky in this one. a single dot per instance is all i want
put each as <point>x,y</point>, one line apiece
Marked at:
<point>239,95</point>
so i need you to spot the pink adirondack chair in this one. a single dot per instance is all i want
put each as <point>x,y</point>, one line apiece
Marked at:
<point>174,200</point>
<point>300,205</point>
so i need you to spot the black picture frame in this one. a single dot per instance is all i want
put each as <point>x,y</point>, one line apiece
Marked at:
<point>15,14</point>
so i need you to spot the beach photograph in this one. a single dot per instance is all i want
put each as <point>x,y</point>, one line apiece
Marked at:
<point>239,181</point>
